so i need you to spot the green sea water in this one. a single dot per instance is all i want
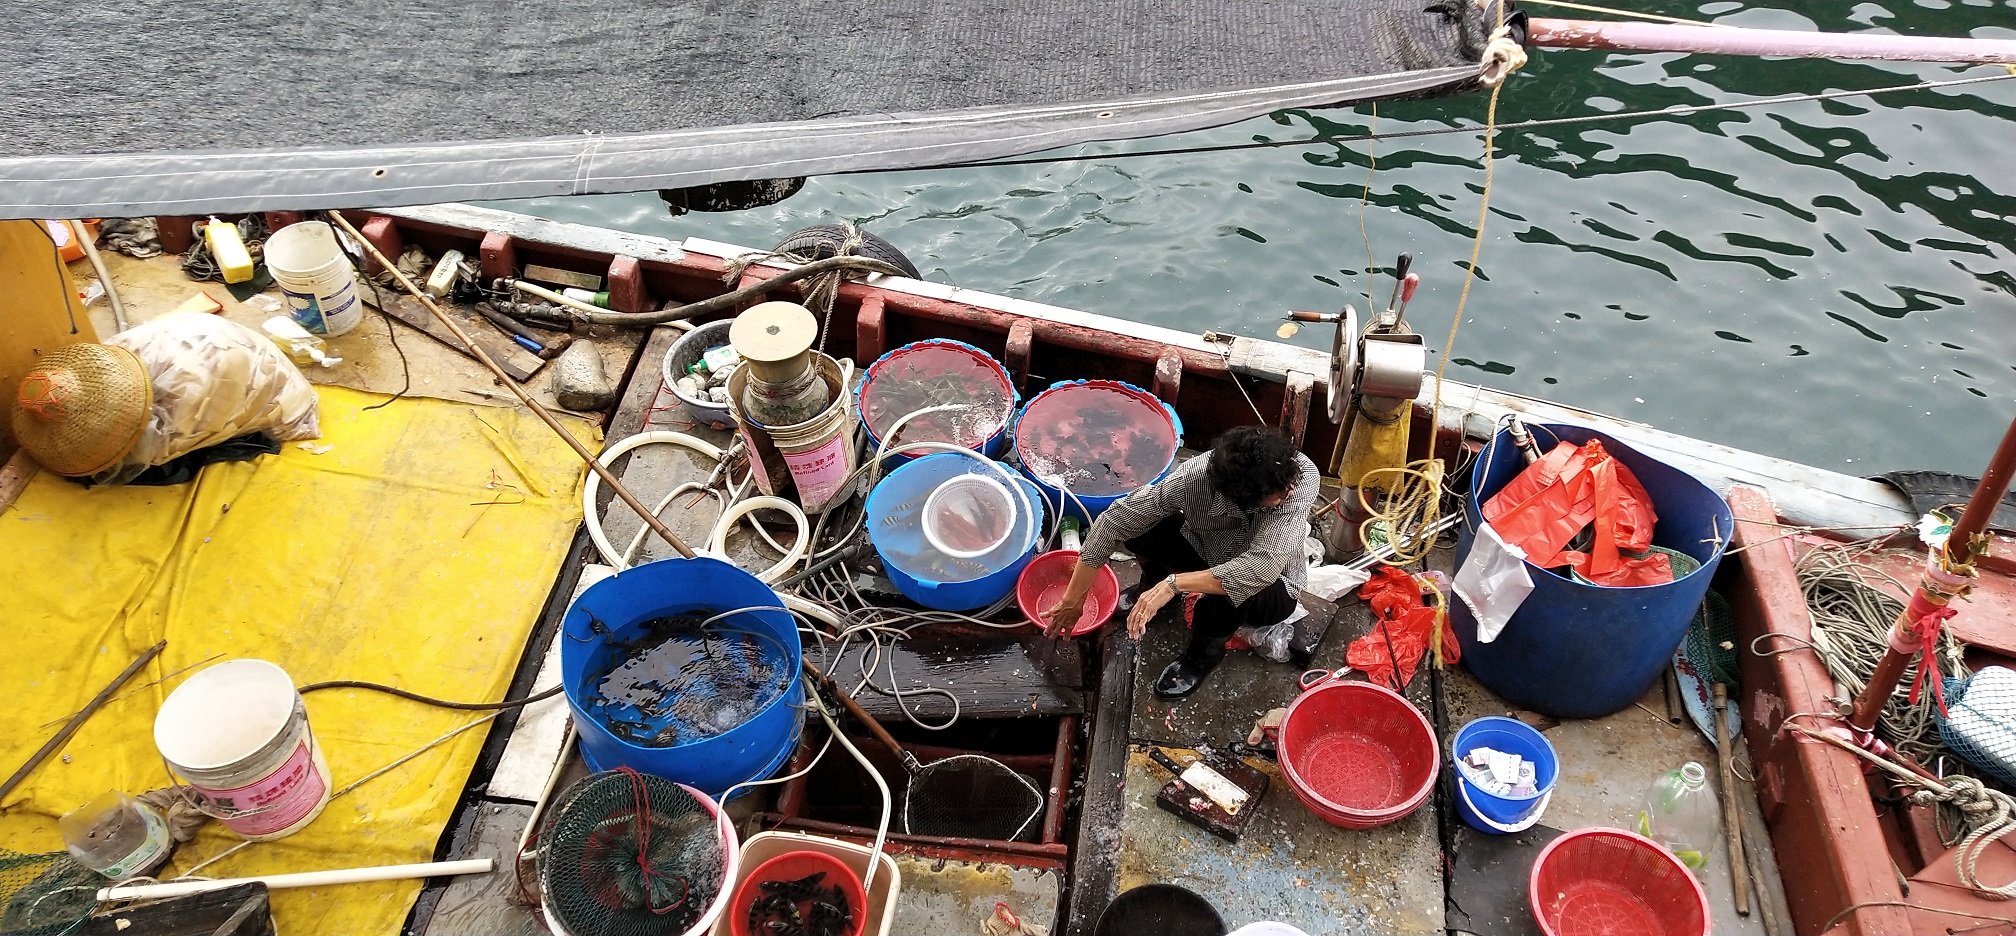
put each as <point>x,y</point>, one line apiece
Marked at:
<point>1824,281</point>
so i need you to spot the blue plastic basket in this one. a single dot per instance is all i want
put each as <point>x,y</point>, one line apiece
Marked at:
<point>1087,506</point>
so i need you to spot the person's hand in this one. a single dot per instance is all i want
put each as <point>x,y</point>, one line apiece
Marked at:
<point>1063,618</point>
<point>1147,606</point>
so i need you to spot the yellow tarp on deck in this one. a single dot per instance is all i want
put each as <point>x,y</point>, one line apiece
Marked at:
<point>415,551</point>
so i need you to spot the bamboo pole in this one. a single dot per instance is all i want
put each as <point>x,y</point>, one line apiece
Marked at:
<point>1967,542</point>
<point>608,477</point>
<point>1727,40</point>
<point>77,721</point>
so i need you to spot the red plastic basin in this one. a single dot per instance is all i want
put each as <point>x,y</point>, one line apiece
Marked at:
<point>1358,754</point>
<point>791,866</point>
<point>1042,585</point>
<point>1607,882</point>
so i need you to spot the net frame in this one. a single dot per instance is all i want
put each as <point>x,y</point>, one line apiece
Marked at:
<point>945,795</point>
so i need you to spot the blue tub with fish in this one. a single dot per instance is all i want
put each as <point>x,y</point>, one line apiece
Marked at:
<point>664,679</point>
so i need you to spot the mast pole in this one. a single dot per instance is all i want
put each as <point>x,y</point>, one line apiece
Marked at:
<point>1731,40</point>
<point>1948,572</point>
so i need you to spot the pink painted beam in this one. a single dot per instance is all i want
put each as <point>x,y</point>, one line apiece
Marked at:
<point>1729,40</point>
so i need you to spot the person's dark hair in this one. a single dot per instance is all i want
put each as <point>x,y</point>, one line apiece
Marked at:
<point>1249,463</point>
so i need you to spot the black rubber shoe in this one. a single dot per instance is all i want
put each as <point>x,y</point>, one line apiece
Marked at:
<point>1183,676</point>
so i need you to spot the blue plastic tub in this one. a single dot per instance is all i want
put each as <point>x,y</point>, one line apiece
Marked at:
<point>892,509</point>
<point>1489,812</point>
<point>1084,505</point>
<point>612,610</point>
<point>1575,650</point>
<point>992,446</point>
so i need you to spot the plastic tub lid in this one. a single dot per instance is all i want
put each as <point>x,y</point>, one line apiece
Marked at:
<point>969,516</point>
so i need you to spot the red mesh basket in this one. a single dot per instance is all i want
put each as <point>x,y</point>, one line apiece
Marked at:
<point>1606,882</point>
<point>1042,586</point>
<point>1358,754</point>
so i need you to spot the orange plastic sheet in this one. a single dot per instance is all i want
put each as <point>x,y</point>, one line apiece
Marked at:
<point>1403,634</point>
<point>1573,487</point>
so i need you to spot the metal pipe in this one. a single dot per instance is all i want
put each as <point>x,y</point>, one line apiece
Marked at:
<point>1968,533</point>
<point>90,246</point>
<point>1725,40</point>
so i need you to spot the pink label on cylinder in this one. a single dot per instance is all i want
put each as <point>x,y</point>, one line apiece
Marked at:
<point>819,472</point>
<point>756,466</point>
<point>272,802</point>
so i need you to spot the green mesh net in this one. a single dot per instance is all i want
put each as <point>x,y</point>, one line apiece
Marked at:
<point>1711,641</point>
<point>45,895</point>
<point>624,854</point>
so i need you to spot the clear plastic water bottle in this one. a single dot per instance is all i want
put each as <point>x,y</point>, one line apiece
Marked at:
<point>1682,814</point>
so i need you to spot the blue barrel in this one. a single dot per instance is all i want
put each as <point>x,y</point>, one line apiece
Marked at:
<point>1489,812</point>
<point>1575,650</point>
<point>609,612</point>
<point>894,508</point>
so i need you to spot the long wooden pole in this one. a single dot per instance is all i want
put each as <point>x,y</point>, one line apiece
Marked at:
<point>608,477</point>
<point>1728,40</point>
<point>1966,543</point>
<point>77,721</point>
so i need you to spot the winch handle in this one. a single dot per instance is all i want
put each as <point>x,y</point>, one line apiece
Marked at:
<point>1400,268</point>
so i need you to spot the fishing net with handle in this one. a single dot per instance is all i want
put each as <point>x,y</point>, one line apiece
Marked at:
<point>625,854</point>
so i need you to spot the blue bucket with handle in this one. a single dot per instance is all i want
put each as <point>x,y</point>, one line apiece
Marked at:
<point>1503,814</point>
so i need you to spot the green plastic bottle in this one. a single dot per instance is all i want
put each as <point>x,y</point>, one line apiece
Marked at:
<point>1682,814</point>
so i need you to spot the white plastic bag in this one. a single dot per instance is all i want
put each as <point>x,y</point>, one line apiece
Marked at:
<point>214,380</point>
<point>1493,582</point>
<point>1332,582</point>
<point>1272,642</point>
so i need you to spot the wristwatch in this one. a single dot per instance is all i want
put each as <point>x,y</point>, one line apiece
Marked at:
<point>1174,590</point>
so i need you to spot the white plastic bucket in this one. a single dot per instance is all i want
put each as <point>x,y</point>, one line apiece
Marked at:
<point>239,734</point>
<point>315,276</point>
<point>819,452</point>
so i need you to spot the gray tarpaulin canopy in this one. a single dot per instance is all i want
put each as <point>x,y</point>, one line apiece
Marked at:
<point>135,108</point>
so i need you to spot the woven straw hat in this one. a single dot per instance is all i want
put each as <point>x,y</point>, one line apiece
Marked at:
<point>82,408</point>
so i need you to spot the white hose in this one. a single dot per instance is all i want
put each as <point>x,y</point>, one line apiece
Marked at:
<point>717,543</point>
<point>888,807</point>
<point>717,538</point>
<point>593,487</point>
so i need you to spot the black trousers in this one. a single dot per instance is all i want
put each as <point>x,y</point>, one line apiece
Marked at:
<point>1163,550</point>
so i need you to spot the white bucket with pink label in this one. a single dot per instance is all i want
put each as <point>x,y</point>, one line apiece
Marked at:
<point>817,454</point>
<point>238,733</point>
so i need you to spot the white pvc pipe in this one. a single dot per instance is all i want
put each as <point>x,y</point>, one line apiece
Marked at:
<point>556,298</point>
<point>303,879</point>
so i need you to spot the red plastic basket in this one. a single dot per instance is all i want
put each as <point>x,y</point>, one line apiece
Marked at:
<point>791,866</point>
<point>1607,882</point>
<point>1042,584</point>
<point>1358,754</point>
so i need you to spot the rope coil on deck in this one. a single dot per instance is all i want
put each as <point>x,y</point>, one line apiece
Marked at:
<point>1990,814</point>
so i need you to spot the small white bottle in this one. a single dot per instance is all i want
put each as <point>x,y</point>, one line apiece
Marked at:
<point>116,835</point>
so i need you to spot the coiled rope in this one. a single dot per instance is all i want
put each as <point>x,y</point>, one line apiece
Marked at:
<point>1851,627</point>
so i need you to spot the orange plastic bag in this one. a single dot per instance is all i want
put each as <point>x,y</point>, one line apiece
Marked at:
<point>1395,598</point>
<point>1572,487</point>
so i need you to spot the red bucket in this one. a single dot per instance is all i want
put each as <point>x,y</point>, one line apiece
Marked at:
<point>1042,584</point>
<point>792,866</point>
<point>1358,754</point>
<point>1606,882</point>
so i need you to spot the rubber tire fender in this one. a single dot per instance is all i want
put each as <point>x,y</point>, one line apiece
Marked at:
<point>821,241</point>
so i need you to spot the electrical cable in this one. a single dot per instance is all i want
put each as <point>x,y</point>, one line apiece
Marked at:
<point>429,700</point>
